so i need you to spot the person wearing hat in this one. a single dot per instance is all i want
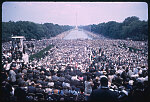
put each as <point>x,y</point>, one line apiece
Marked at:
<point>103,93</point>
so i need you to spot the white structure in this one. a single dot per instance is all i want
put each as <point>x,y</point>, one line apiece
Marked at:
<point>76,22</point>
<point>17,41</point>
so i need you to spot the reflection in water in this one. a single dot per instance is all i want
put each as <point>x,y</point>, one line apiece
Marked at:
<point>77,34</point>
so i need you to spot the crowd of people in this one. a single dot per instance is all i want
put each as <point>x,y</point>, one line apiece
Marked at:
<point>78,70</point>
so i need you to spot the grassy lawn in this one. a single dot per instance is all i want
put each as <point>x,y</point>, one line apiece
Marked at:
<point>40,54</point>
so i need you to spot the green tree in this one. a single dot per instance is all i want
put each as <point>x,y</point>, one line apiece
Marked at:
<point>131,27</point>
<point>31,30</point>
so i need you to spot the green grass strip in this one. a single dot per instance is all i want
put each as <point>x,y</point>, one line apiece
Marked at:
<point>40,54</point>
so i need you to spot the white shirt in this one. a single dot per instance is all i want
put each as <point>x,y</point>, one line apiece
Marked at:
<point>88,87</point>
<point>8,66</point>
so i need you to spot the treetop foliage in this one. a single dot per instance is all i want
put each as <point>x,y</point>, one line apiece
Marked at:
<point>31,30</point>
<point>131,28</point>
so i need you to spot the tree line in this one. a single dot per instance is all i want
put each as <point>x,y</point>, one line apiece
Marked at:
<point>130,28</point>
<point>31,30</point>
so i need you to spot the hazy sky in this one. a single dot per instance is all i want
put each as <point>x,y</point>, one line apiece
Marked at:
<point>64,13</point>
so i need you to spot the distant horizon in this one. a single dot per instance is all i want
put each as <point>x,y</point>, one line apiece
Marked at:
<point>72,25</point>
<point>73,13</point>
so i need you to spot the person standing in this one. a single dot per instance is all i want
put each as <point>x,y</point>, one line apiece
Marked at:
<point>103,94</point>
<point>88,87</point>
<point>12,76</point>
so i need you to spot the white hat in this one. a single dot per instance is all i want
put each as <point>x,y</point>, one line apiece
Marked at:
<point>131,82</point>
<point>48,77</point>
<point>62,69</point>
<point>42,71</point>
<point>104,72</point>
<point>111,89</point>
<point>40,85</point>
<point>21,61</point>
<point>38,67</point>
<point>47,69</point>
<point>51,84</point>
<point>48,90</point>
<point>18,60</point>
<point>103,76</point>
<point>125,92</point>
<point>67,85</point>
<point>13,60</point>
<point>55,70</point>
<point>6,61</point>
